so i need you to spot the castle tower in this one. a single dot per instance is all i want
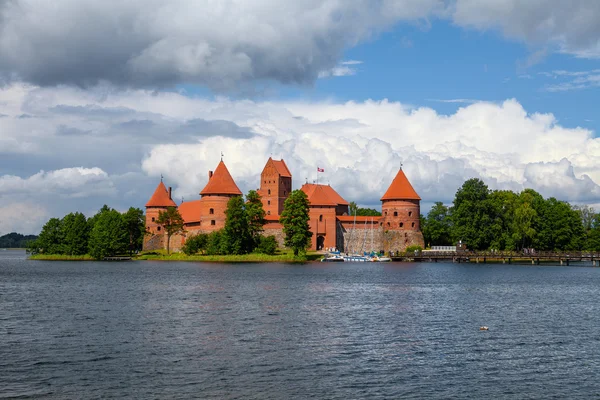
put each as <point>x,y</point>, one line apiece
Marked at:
<point>400,211</point>
<point>160,200</point>
<point>325,205</point>
<point>275,186</point>
<point>215,195</point>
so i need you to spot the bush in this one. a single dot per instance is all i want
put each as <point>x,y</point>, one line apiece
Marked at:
<point>267,245</point>
<point>215,243</point>
<point>195,244</point>
<point>412,249</point>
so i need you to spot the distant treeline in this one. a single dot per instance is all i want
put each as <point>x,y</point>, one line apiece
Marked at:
<point>505,220</point>
<point>107,233</point>
<point>15,240</point>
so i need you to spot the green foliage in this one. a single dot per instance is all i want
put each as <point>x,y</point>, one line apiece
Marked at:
<point>267,245</point>
<point>216,243</point>
<point>294,219</point>
<point>50,240</point>
<point>255,214</point>
<point>412,249</point>
<point>135,223</point>
<point>172,223</point>
<point>365,212</point>
<point>195,244</point>
<point>436,227</point>
<point>108,236</point>
<point>237,238</point>
<point>472,215</point>
<point>75,234</point>
<point>16,240</point>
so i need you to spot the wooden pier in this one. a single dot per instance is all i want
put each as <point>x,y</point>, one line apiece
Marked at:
<point>504,257</point>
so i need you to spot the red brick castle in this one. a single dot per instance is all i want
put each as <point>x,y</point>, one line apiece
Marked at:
<point>330,220</point>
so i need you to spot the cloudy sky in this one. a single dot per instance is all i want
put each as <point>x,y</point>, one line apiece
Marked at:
<point>98,99</point>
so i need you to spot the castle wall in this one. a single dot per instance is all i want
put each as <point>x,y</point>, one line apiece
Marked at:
<point>323,223</point>
<point>358,240</point>
<point>401,215</point>
<point>215,220</point>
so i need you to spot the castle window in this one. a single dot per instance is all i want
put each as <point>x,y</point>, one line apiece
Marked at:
<point>395,213</point>
<point>268,212</point>
<point>401,224</point>
<point>268,202</point>
<point>284,193</point>
<point>410,213</point>
<point>413,225</point>
<point>406,234</point>
<point>269,191</point>
<point>385,213</point>
<point>320,218</point>
<point>211,211</point>
<point>381,224</point>
<point>152,219</point>
<point>213,222</point>
<point>158,228</point>
<point>388,224</point>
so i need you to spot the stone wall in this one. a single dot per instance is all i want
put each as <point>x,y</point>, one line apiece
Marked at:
<point>278,233</point>
<point>358,240</point>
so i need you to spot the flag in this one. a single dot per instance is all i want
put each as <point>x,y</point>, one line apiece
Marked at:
<point>320,169</point>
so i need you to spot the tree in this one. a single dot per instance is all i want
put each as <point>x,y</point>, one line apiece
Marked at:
<point>436,226</point>
<point>135,224</point>
<point>363,212</point>
<point>236,232</point>
<point>524,220</point>
<point>51,238</point>
<point>75,234</point>
<point>215,244</point>
<point>267,245</point>
<point>294,219</point>
<point>587,215</point>
<point>593,237</point>
<point>472,216</point>
<point>109,236</point>
<point>255,214</point>
<point>172,223</point>
<point>195,244</point>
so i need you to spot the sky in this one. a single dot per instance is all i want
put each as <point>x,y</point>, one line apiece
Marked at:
<point>98,100</point>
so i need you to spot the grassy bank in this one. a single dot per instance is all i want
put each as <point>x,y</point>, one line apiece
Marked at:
<point>61,257</point>
<point>283,256</point>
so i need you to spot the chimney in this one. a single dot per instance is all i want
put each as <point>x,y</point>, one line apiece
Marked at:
<point>210,173</point>
<point>170,193</point>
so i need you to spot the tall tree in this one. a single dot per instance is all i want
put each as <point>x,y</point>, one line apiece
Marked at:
<point>294,219</point>
<point>236,231</point>
<point>593,237</point>
<point>172,223</point>
<point>587,215</point>
<point>255,214</point>
<point>75,234</point>
<point>436,226</point>
<point>50,240</point>
<point>109,236</point>
<point>472,216</point>
<point>524,221</point>
<point>135,223</point>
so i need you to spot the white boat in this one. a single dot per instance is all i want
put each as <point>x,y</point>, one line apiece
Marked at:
<point>355,258</point>
<point>333,257</point>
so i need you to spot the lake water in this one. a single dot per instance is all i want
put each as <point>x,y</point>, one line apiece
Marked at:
<point>274,331</point>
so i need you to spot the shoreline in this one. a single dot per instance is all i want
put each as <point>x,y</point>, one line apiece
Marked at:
<point>246,258</point>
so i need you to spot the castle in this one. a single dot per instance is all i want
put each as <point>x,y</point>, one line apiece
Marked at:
<point>330,220</point>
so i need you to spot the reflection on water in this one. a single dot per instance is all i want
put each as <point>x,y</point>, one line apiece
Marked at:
<point>339,331</point>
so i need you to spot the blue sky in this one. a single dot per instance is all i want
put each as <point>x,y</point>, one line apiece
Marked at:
<point>101,99</point>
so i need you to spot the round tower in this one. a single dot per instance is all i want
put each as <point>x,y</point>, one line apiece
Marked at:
<point>216,194</point>
<point>160,200</point>
<point>400,211</point>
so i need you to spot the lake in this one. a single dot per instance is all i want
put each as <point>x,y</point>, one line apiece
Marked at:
<point>273,331</point>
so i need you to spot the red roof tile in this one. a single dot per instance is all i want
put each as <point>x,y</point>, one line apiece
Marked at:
<point>400,189</point>
<point>282,168</point>
<point>160,198</point>
<point>221,182</point>
<point>190,211</point>
<point>322,195</point>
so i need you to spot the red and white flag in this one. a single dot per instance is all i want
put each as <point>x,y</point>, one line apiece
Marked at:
<point>320,169</point>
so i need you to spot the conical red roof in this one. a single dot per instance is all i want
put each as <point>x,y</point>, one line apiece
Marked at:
<point>322,195</point>
<point>400,189</point>
<point>160,198</point>
<point>221,182</point>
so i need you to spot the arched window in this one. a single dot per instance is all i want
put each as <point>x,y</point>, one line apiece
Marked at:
<point>410,213</point>
<point>401,224</point>
<point>268,212</point>
<point>388,224</point>
<point>152,219</point>
<point>395,213</point>
<point>269,191</point>
<point>211,211</point>
<point>213,222</point>
<point>158,228</point>
<point>284,193</point>
<point>413,224</point>
<point>320,218</point>
<point>385,213</point>
<point>268,202</point>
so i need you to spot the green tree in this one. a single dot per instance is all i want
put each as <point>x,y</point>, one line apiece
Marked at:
<point>472,215</point>
<point>267,245</point>
<point>436,226</point>
<point>255,214</point>
<point>195,244</point>
<point>294,218</point>
<point>75,234</point>
<point>50,240</point>
<point>587,215</point>
<point>172,223</point>
<point>524,221</point>
<point>109,236</point>
<point>364,212</point>
<point>560,227</point>
<point>135,223</point>
<point>215,243</point>
<point>593,236</point>
<point>237,231</point>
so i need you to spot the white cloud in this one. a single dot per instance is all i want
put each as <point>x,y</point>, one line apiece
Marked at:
<point>572,80</point>
<point>22,217</point>
<point>360,145</point>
